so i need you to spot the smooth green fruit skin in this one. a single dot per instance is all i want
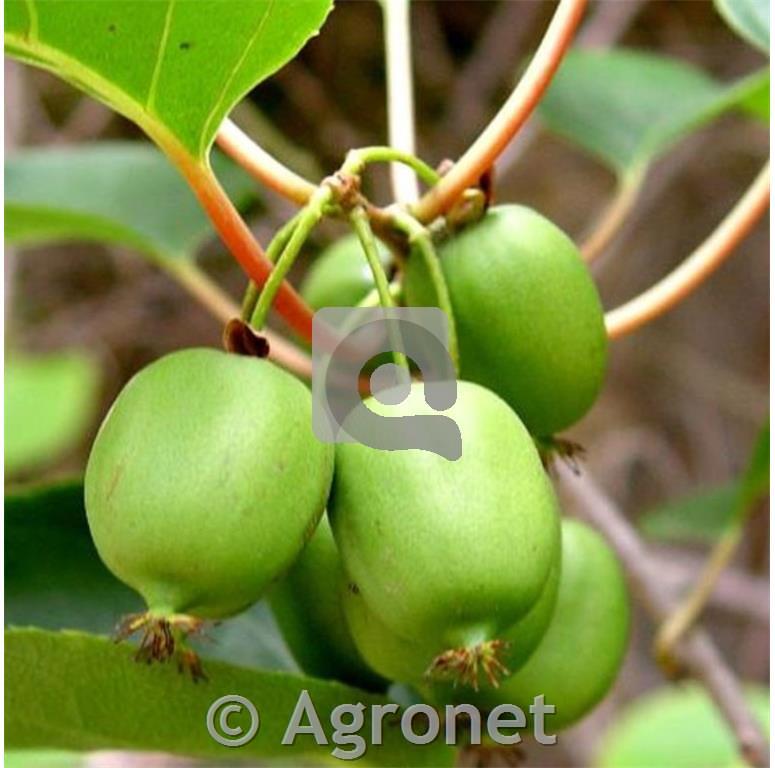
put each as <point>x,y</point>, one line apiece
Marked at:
<point>392,656</point>
<point>678,727</point>
<point>451,550</point>
<point>408,660</point>
<point>582,649</point>
<point>205,481</point>
<point>529,320</point>
<point>340,276</point>
<point>308,605</point>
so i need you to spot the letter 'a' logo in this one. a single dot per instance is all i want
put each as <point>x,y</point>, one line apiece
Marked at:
<point>344,340</point>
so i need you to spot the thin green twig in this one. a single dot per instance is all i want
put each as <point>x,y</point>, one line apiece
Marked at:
<point>308,218</point>
<point>275,248</point>
<point>420,240</point>
<point>360,222</point>
<point>357,160</point>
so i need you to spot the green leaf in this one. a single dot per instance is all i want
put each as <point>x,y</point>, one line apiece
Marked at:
<point>626,107</point>
<point>75,691</point>
<point>70,588</point>
<point>49,758</point>
<point>749,18</point>
<point>49,403</point>
<point>115,192</point>
<point>174,68</point>
<point>677,726</point>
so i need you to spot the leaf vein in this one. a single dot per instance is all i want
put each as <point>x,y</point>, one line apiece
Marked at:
<point>153,87</point>
<point>254,38</point>
<point>32,12</point>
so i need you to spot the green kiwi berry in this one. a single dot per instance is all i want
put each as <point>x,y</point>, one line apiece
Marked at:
<point>417,661</point>
<point>581,651</point>
<point>203,484</point>
<point>529,320</point>
<point>453,552</point>
<point>307,603</point>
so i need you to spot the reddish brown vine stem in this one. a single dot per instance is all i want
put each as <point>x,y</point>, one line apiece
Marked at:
<point>240,241</point>
<point>613,216</point>
<point>262,166</point>
<point>684,279</point>
<point>696,652</point>
<point>479,157</point>
<point>493,140</point>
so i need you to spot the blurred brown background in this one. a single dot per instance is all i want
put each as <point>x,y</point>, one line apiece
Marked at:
<point>685,396</point>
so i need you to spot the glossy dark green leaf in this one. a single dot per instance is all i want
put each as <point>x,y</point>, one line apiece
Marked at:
<point>749,18</point>
<point>626,106</point>
<point>55,579</point>
<point>75,691</point>
<point>115,192</point>
<point>174,68</point>
<point>49,403</point>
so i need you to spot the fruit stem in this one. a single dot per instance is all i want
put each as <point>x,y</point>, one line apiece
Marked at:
<point>512,115</point>
<point>462,664</point>
<point>308,218</point>
<point>360,223</point>
<point>357,160</point>
<point>273,251</point>
<point>371,299</point>
<point>697,267</point>
<point>420,237</point>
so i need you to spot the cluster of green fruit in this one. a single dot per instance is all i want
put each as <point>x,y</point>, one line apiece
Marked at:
<point>206,489</point>
<point>529,320</point>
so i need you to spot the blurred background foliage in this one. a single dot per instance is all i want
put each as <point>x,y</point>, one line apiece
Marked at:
<point>686,396</point>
